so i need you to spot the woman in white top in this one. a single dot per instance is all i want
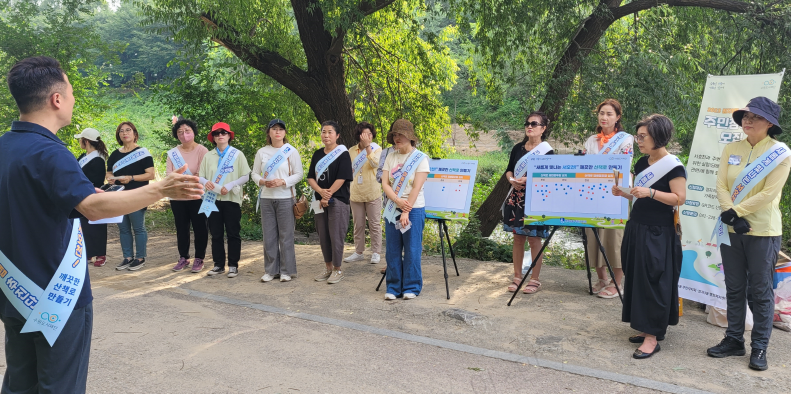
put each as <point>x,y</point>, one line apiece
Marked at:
<point>609,117</point>
<point>276,177</point>
<point>404,247</point>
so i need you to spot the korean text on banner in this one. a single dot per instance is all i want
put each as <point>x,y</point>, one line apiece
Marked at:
<point>702,278</point>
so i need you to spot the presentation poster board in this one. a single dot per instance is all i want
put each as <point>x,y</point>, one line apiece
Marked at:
<point>566,190</point>
<point>448,189</point>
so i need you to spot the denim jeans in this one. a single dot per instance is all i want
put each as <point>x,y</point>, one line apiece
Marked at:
<point>134,221</point>
<point>404,274</point>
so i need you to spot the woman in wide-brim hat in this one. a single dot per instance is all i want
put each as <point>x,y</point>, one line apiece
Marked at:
<point>754,226</point>
<point>404,249</point>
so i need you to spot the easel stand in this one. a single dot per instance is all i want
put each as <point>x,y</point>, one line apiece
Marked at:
<point>587,262</point>
<point>442,226</point>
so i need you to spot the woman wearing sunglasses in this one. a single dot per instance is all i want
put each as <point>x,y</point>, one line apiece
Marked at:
<point>750,179</point>
<point>222,201</point>
<point>610,139</point>
<point>405,172</point>
<point>514,205</point>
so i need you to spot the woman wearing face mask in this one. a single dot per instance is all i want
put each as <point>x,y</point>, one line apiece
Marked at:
<point>611,139</point>
<point>222,201</point>
<point>276,170</point>
<point>185,213</point>
<point>514,205</point>
<point>93,166</point>
<point>750,179</point>
<point>329,176</point>
<point>132,167</point>
<point>404,174</point>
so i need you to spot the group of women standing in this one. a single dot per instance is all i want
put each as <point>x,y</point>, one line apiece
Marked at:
<point>344,181</point>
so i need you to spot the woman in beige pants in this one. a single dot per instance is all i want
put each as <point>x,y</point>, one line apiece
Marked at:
<point>366,193</point>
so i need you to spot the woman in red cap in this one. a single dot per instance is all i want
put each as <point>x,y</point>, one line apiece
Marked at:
<point>222,202</point>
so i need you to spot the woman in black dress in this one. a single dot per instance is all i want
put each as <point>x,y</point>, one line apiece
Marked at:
<point>93,165</point>
<point>514,205</point>
<point>651,249</point>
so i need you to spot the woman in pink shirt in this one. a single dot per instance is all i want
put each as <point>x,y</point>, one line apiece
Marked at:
<point>186,212</point>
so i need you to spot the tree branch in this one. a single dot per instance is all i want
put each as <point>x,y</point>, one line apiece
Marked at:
<point>369,7</point>
<point>641,5</point>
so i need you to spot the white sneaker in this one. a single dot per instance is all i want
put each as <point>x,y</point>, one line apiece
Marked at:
<point>375,258</point>
<point>285,278</point>
<point>409,296</point>
<point>354,257</point>
<point>267,278</point>
<point>389,297</point>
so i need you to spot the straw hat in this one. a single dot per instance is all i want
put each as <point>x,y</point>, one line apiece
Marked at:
<point>403,127</point>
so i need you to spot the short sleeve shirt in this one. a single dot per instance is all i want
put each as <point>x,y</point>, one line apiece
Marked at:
<point>40,185</point>
<point>394,162</point>
<point>94,170</point>
<point>341,168</point>
<point>137,168</point>
<point>239,168</point>
<point>652,212</point>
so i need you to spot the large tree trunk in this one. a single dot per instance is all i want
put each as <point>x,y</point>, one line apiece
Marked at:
<point>590,32</point>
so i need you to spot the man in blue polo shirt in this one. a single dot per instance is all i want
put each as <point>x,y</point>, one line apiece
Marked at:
<point>42,264</point>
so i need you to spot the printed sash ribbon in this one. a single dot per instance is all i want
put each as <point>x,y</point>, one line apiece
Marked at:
<point>324,164</point>
<point>614,143</point>
<point>273,164</point>
<point>178,160</point>
<point>87,159</point>
<point>656,171</point>
<point>49,309</point>
<point>746,181</point>
<point>224,167</point>
<point>520,169</point>
<point>362,157</point>
<point>409,168</point>
<point>133,157</point>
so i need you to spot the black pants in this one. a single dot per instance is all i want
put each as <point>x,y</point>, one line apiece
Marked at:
<point>32,366</point>
<point>95,238</point>
<point>228,219</point>
<point>184,214</point>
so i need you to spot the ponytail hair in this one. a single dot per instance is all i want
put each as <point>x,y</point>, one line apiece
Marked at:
<point>99,146</point>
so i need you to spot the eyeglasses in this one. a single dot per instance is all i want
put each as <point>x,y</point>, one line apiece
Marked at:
<point>123,131</point>
<point>219,133</point>
<point>752,117</point>
<point>640,137</point>
<point>534,124</point>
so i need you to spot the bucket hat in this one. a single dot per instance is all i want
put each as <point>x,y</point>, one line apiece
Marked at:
<point>220,126</point>
<point>764,107</point>
<point>403,127</point>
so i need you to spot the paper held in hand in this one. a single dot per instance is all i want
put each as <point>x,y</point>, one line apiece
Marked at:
<point>617,175</point>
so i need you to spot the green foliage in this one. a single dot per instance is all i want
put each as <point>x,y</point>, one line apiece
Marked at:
<point>60,30</point>
<point>471,244</point>
<point>558,255</point>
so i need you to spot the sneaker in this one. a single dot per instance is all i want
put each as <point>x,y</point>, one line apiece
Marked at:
<point>233,271</point>
<point>726,348</point>
<point>409,296</point>
<point>758,360</point>
<point>285,278</point>
<point>124,264</point>
<point>183,263</point>
<point>197,265</point>
<point>100,261</point>
<point>336,276</point>
<point>137,264</point>
<point>216,271</point>
<point>375,258</point>
<point>323,276</point>
<point>267,278</point>
<point>389,297</point>
<point>354,257</point>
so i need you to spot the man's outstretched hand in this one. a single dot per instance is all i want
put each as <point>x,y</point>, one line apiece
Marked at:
<point>181,187</point>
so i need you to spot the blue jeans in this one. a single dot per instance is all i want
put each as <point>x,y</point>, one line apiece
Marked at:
<point>134,221</point>
<point>404,274</point>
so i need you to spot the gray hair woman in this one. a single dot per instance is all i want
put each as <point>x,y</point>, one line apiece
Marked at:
<point>750,202</point>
